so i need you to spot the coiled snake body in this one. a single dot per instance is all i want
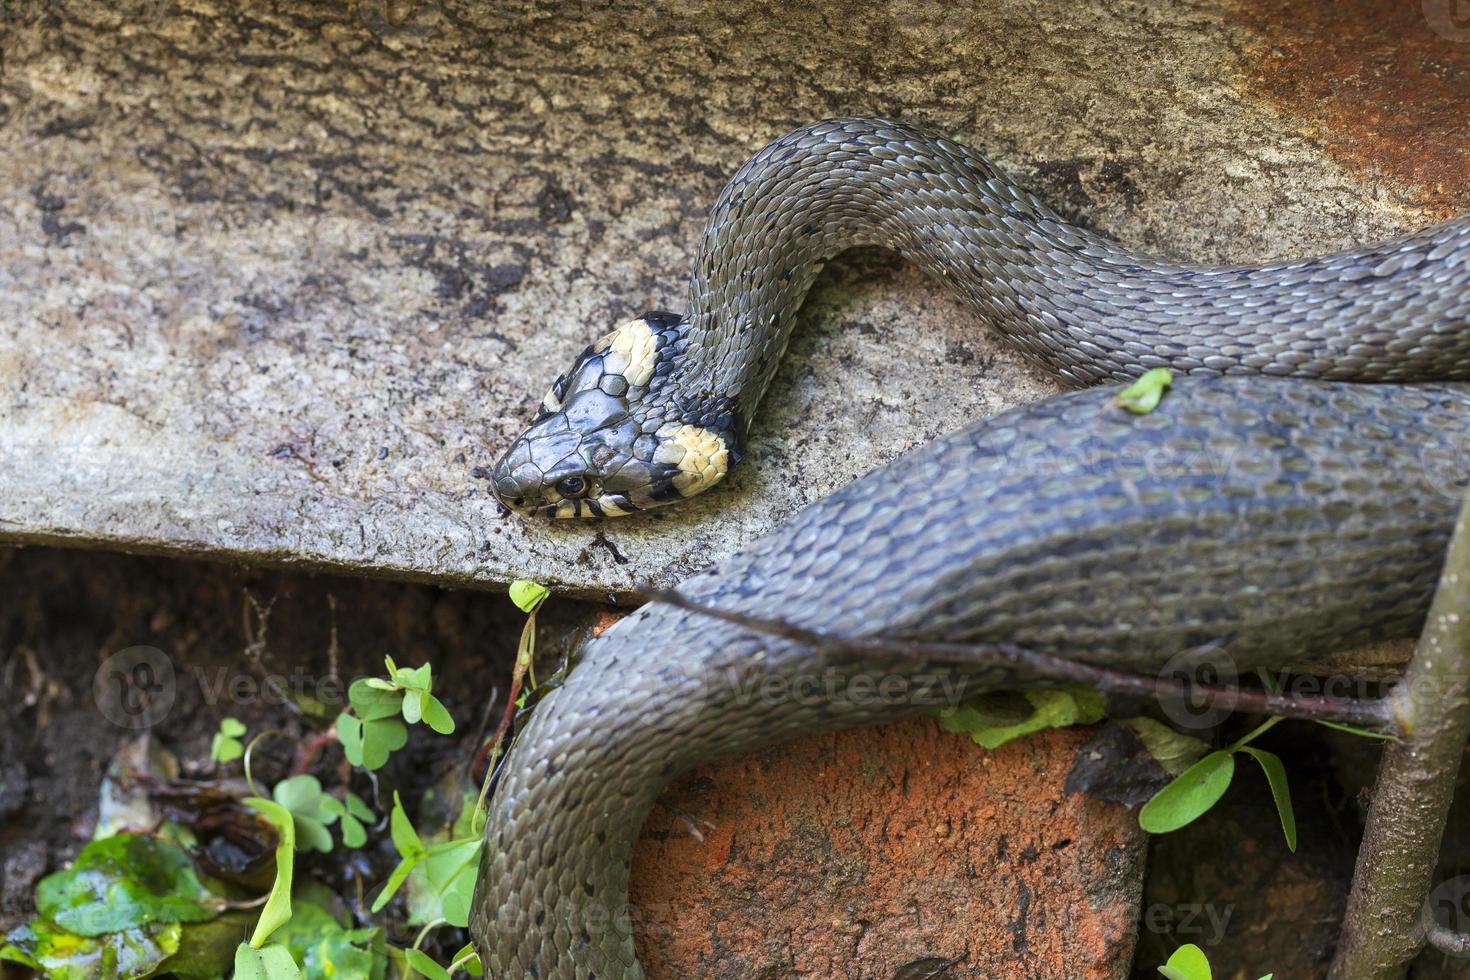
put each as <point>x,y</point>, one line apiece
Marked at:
<point>1281,515</point>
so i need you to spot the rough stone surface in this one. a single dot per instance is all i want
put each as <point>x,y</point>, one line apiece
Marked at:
<point>275,280</point>
<point>860,854</point>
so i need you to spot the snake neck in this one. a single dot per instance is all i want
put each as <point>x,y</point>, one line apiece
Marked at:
<point>1069,299</point>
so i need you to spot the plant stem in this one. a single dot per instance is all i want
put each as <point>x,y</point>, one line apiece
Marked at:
<point>311,748</point>
<point>424,932</point>
<point>459,963</point>
<point>1384,927</point>
<point>250,751</point>
<point>1036,666</point>
<point>525,653</point>
<point>1256,733</point>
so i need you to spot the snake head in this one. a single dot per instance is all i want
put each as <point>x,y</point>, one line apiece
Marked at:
<point>611,438</point>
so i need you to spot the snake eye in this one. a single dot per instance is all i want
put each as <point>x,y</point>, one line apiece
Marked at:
<point>571,486</point>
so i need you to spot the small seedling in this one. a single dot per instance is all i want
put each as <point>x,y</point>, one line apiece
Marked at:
<point>109,907</point>
<point>528,597</point>
<point>226,746</point>
<point>1193,792</point>
<point>449,867</point>
<point>1189,963</point>
<point>313,810</point>
<point>382,707</point>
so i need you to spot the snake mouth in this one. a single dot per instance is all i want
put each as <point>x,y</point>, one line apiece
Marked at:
<point>605,505</point>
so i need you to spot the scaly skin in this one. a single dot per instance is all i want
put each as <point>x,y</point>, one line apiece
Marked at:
<point>631,427</point>
<point>1282,518</point>
<point>1277,518</point>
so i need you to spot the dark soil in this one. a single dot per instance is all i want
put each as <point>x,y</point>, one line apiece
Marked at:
<point>229,634</point>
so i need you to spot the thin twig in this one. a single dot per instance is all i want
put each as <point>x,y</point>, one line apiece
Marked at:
<point>1363,713</point>
<point>473,762</point>
<point>1449,942</point>
<point>256,648</point>
<point>309,749</point>
<point>490,751</point>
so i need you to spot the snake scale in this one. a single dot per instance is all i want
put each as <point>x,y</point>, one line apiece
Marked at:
<point>1267,507</point>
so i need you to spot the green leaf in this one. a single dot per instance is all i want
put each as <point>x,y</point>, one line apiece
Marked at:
<point>311,809</point>
<point>62,955</point>
<point>354,834</point>
<point>302,795</point>
<point>1190,795</point>
<point>445,862</point>
<point>1354,730</point>
<point>458,898</point>
<point>359,809</point>
<point>1050,709</point>
<point>469,960</point>
<point>1187,963</point>
<point>442,886</point>
<point>1172,751</point>
<point>395,881</point>
<point>346,953</point>
<point>1280,790</point>
<point>416,678</point>
<point>437,716</point>
<point>206,949</point>
<point>277,908</point>
<point>123,882</point>
<point>373,698</point>
<point>381,739</point>
<point>369,743</point>
<point>322,943</point>
<point>265,963</point>
<point>413,707</point>
<point>1143,395</point>
<point>349,735</point>
<point>225,747</point>
<point>528,595</point>
<point>14,954</point>
<point>405,838</point>
<point>224,750</point>
<point>312,836</point>
<point>421,962</point>
<point>353,813</point>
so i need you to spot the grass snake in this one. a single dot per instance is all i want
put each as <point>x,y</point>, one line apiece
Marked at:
<point>1270,507</point>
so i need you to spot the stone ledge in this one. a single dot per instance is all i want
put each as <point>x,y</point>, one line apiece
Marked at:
<point>273,283</point>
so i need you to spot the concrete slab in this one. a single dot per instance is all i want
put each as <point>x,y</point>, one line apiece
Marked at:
<point>275,281</point>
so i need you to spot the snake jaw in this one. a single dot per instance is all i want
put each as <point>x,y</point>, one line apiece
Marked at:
<point>693,458</point>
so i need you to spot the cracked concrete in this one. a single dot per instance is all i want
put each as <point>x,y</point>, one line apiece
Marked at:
<point>276,280</point>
